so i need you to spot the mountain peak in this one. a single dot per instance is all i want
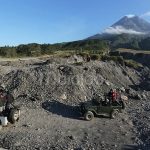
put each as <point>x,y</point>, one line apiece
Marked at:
<point>130,16</point>
<point>130,24</point>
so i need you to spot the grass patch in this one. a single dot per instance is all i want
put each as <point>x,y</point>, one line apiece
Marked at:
<point>64,54</point>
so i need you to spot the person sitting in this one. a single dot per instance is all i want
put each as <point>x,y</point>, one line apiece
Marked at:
<point>112,95</point>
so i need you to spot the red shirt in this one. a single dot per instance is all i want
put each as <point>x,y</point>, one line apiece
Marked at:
<point>114,96</point>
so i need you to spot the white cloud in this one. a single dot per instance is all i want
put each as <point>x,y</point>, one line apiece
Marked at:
<point>120,30</point>
<point>130,16</point>
<point>147,14</point>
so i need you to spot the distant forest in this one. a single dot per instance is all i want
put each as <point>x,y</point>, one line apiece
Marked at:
<point>130,42</point>
<point>34,49</point>
<point>91,45</point>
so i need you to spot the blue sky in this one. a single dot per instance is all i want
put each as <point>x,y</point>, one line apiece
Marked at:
<point>52,21</point>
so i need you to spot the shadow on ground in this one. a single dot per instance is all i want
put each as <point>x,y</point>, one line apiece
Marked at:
<point>130,147</point>
<point>61,109</point>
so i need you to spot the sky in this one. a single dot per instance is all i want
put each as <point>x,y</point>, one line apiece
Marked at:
<point>54,21</point>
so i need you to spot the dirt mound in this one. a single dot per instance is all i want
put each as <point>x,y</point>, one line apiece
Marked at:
<point>64,81</point>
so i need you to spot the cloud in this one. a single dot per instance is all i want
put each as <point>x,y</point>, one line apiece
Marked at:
<point>120,30</point>
<point>147,14</point>
<point>130,16</point>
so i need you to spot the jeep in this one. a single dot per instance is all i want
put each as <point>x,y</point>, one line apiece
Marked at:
<point>101,107</point>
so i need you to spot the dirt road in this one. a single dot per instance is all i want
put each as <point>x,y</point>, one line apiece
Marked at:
<point>46,127</point>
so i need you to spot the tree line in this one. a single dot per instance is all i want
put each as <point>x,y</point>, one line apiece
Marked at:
<point>92,46</point>
<point>34,49</point>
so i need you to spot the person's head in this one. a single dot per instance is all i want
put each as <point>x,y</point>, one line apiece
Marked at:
<point>113,90</point>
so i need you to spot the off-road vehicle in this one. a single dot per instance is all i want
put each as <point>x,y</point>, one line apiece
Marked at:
<point>8,111</point>
<point>99,106</point>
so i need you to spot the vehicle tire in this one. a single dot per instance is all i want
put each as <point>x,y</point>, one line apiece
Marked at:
<point>114,113</point>
<point>88,116</point>
<point>13,116</point>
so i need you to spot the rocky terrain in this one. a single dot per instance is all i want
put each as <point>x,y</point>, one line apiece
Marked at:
<point>49,91</point>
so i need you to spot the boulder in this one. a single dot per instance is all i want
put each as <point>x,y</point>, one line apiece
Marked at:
<point>124,98</point>
<point>63,96</point>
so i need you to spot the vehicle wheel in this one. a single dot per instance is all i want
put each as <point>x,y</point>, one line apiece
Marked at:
<point>89,116</point>
<point>13,116</point>
<point>114,113</point>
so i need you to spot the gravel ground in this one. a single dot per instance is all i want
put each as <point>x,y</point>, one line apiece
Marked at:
<point>63,128</point>
<point>49,113</point>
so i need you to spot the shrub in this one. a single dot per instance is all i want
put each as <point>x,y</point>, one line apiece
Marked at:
<point>120,60</point>
<point>95,57</point>
<point>105,58</point>
<point>133,64</point>
<point>83,54</point>
<point>117,59</point>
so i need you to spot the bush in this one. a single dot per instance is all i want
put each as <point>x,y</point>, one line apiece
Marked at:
<point>133,64</point>
<point>95,57</point>
<point>117,59</point>
<point>120,60</point>
<point>105,58</point>
<point>83,54</point>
